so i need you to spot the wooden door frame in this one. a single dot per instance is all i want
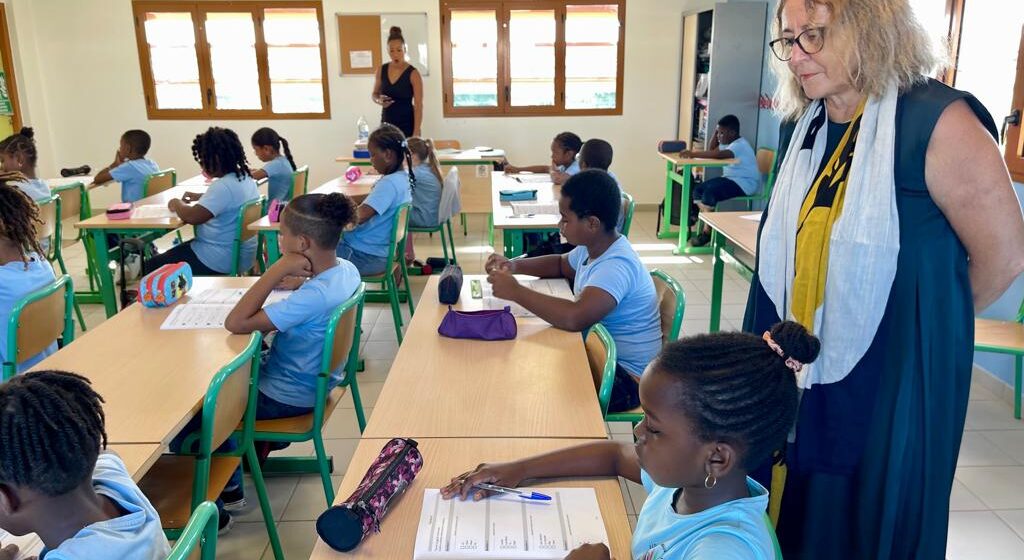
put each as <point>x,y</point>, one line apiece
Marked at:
<point>8,61</point>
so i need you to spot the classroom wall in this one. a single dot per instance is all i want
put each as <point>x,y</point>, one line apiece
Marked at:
<point>81,88</point>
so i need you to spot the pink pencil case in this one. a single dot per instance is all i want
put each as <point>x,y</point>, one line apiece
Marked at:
<point>120,211</point>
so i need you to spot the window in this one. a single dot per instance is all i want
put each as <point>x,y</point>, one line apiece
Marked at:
<point>226,60</point>
<point>516,58</point>
<point>1014,138</point>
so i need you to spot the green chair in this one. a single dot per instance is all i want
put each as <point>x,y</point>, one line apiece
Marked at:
<point>447,224</point>
<point>396,262</point>
<point>671,304</point>
<point>341,348</point>
<point>628,207</point>
<point>201,533</point>
<point>37,320</point>
<point>300,178</point>
<point>179,482</point>
<point>601,356</point>
<point>1004,337</point>
<point>52,215</point>
<point>766,166</point>
<point>247,214</point>
<point>159,182</point>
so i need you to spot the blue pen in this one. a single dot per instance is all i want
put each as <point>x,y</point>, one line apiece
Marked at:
<point>512,491</point>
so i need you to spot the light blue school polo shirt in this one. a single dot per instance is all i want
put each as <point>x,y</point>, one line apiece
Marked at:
<point>634,323</point>
<point>136,535</point>
<point>132,176</point>
<point>426,198</point>
<point>735,530</point>
<point>36,189</point>
<point>214,239</point>
<point>279,176</point>
<point>289,375</point>
<point>571,169</point>
<point>16,282</point>
<point>745,173</point>
<point>374,235</point>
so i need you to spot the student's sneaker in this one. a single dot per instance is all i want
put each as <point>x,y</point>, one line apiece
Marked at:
<point>702,239</point>
<point>224,523</point>
<point>234,499</point>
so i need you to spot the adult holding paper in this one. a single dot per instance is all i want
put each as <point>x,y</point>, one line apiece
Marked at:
<point>399,88</point>
<point>715,407</point>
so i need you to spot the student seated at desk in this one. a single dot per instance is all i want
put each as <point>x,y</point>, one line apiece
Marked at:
<point>367,245</point>
<point>597,154</point>
<point>23,269</point>
<point>279,169</point>
<point>130,166</point>
<point>564,149</point>
<point>215,214</point>
<point>740,179</point>
<point>716,407</point>
<point>612,286</point>
<point>55,481</point>
<point>426,197</point>
<point>18,153</point>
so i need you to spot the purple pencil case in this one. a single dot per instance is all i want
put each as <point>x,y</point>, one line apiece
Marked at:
<point>496,324</point>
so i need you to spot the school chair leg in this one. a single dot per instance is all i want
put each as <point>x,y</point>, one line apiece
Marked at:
<point>396,311</point>
<point>444,245</point>
<point>408,289</point>
<point>490,230</point>
<point>325,468</point>
<point>451,241</point>
<point>465,228</point>
<point>357,402</point>
<point>261,493</point>
<point>1017,385</point>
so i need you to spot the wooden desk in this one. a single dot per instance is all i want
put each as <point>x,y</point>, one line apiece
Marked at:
<point>100,225</point>
<point>58,183</point>
<point>678,169</point>
<point>138,457</point>
<point>474,174</point>
<point>538,385</point>
<point>733,237</point>
<point>357,191</point>
<point>444,459</point>
<point>513,227</point>
<point>153,381</point>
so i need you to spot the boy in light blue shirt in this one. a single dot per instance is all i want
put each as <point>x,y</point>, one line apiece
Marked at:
<point>597,154</point>
<point>612,286</point>
<point>215,212</point>
<point>280,168</point>
<point>367,245</point>
<point>59,474</point>
<point>564,164</point>
<point>131,168</point>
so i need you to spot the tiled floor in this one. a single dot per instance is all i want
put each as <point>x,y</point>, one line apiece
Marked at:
<point>987,504</point>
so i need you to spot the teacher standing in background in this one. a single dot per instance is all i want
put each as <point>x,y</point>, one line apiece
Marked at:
<point>399,88</point>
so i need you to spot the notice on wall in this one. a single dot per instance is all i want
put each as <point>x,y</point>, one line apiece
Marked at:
<point>361,59</point>
<point>5,97</point>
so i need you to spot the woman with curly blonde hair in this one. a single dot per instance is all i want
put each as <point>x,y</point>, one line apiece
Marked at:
<point>892,221</point>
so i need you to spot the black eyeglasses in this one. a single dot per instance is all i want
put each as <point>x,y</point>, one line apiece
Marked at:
<point>811,41</point>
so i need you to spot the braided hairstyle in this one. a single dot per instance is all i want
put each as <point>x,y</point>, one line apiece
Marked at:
<point>269,137</point>
<point>390,138</point>
<point>737,389</point>
<point>219,152</point>
<point>51,431</point>
<point>320,216</point>
<point>21,143</point>
<point>19,215</point>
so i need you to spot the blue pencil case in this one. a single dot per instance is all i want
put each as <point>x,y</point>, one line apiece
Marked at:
<point>517,195</point>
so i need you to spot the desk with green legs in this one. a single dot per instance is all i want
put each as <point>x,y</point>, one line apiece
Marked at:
<point>514,225</point>
<point>678,170</point>
<point>733,238</point>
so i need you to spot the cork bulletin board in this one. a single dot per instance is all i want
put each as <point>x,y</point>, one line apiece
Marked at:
<point>363,41</point>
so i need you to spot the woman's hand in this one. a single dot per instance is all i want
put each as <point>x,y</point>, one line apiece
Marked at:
<point>500,474</point>
<point>590,552</point>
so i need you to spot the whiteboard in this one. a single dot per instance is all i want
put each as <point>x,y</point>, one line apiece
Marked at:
<point>414,29</point>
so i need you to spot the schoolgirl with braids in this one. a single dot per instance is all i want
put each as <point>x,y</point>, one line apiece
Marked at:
<point>56,480</point>
<point>215,213</point>
<point>715,407</point>
<point>367,245</point>
<point>23,269</point>
<point>18,154</point>
<point>268,145</point>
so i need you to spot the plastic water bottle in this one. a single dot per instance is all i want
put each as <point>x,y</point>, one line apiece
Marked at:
<point>364,130</point>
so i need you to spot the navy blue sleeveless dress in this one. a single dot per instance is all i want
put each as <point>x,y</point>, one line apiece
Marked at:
<point>871,468</point>
<point>401,113</point>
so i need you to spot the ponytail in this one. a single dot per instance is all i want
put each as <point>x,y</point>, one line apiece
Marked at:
<point>423,148</point>
<point>269,137</point>
<point>287,152</point>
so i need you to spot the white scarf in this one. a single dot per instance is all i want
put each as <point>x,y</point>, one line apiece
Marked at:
<point>864,245</point>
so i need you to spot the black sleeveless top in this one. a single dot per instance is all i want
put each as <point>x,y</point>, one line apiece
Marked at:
<point>400,113</point>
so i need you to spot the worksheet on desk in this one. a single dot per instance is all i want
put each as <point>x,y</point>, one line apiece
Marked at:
<point>532,178</point>
<point>556,287</point>
<point>533,208</point>
<point>152,211</point>
<point>210,308</point>
<point>508,527</point>
<point>29,545</point>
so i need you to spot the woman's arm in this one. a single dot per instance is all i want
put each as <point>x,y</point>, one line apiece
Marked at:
<point>417,101</point>
<point>967,178</point>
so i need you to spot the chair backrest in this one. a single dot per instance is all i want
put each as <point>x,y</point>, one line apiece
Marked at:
<point>766,166</point>
<point>401,224</point>
<point>72,198</point>
<point>341,346</point>
<point>228,399</point>
<point>1020,312</point>
<point>300,182</point>
<point>671,304</point>
<point>159,182</point>
<point>248,213</point>
<point>628,206</point>
<point>447,145</point>
<point>49,212</point>
<point>451,198</point>
<point>199,534</point>
<point>601,356</point>
<point>37,320</point>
